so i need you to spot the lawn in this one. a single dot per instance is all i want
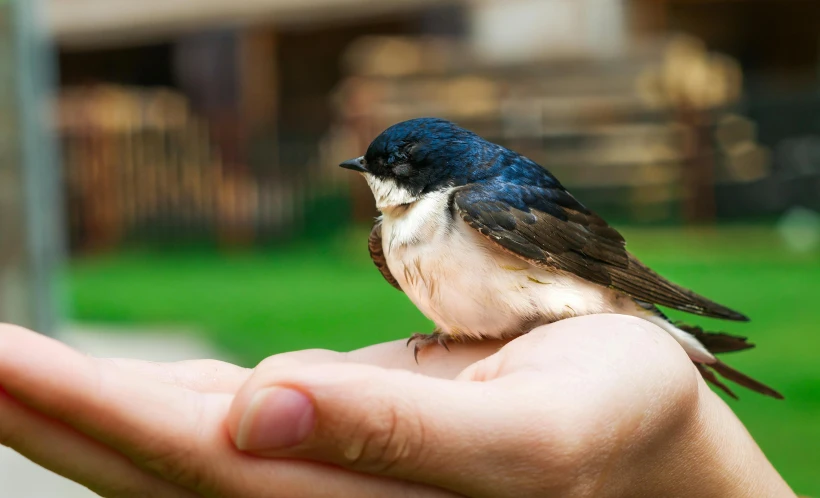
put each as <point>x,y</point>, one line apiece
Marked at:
<point>329,295</point>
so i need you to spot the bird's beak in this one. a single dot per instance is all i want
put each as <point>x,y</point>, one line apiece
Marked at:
<point>357,164</point>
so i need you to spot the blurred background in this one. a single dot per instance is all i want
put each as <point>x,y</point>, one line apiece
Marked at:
<point>169,188</point>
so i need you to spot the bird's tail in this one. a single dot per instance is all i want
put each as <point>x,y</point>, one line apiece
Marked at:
<point>717,343</point>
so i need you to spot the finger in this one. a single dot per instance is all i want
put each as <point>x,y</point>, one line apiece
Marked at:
<point>434,361</point>
<point>535,398</point>
<point>221,377</point>
<point>381,421</point>
<point>175,433</point>
<point>70,454</point>
<point>197,375</point>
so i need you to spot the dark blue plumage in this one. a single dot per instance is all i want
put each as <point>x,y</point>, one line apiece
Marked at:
<point>444,154</point>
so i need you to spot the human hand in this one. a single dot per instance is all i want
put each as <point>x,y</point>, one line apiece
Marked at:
<point>128,428</point>
<point>601,405</point>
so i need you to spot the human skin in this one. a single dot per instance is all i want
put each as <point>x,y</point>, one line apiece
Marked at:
<point>603,405</point>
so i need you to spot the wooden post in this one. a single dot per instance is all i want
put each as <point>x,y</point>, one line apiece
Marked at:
<point>699,167</point>
<point>258,79</point>
<point>647,17</point>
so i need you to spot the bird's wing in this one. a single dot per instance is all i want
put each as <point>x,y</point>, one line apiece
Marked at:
<point>544,225</point>
<point>374,244</point>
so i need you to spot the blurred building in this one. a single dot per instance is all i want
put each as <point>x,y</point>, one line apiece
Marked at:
<point>636,130</point>
<point>180,122</point>
<point>218,119</point>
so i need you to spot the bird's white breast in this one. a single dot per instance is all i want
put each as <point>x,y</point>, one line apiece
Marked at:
<point>468,286</point>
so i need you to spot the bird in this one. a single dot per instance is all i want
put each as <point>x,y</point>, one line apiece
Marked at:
<point>488,245</point>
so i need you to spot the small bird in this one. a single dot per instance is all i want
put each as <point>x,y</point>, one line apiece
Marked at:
<point>489,245</point>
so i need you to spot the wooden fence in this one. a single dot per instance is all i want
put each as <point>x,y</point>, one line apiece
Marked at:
<point>140,166</point>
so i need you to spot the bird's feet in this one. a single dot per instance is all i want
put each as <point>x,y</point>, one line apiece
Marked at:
<point>423,341</point>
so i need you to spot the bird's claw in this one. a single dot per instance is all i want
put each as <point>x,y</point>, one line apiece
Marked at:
<point>423,341</point>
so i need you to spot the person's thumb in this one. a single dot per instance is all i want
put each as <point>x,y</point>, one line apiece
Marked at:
<point>452,434</point>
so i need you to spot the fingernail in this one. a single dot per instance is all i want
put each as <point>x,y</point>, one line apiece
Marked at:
<point>276,418</point>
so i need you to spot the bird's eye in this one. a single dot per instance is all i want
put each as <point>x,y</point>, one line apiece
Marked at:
<point>375,164</point>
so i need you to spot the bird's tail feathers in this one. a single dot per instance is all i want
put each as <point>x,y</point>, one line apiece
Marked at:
<point>717,343</point>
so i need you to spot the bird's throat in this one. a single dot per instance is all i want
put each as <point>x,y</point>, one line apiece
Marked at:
<point>388,193</point>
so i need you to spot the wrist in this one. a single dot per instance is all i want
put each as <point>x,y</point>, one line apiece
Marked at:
<point>737,464</point>
<point>697,448</point>
<point>715,455</point>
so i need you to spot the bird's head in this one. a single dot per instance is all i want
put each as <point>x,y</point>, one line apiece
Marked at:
<point>418,157</point>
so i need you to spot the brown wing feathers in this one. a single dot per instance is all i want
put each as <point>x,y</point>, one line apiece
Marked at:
<point>641,282</point>
<point>374,244</point>
<point>574,240</point>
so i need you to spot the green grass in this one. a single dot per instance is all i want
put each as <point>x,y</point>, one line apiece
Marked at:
<point>330,296</point>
